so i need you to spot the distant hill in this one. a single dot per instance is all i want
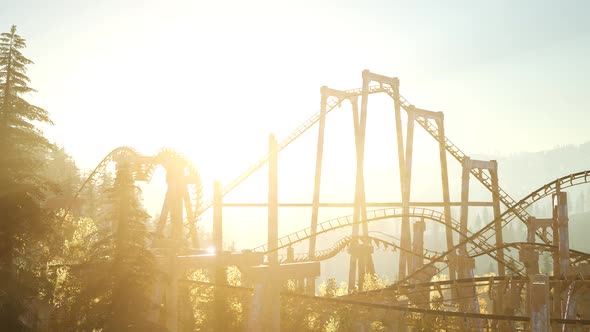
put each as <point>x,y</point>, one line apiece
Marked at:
<point>524,172</point>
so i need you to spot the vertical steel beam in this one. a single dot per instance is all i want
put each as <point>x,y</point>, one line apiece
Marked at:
<point>310,285</point>
<point>273,204</point>
<point>466,265</point>
<point>359,264</point>
<point>498,225</point>
<point>531,230</point>
<point>352,267</point>
<point>464,215</point>
<point>557,272</point>
<point>362,264</point>
<point>191,216</point>
<point>273,298</point>
<point>446,195</point>
<point>354,259</point>
<point>174,178</point>
<point>569,309</point>
<point>217,217</point>
<point>531,257</point>
<point>362,130</point>
<point>176,186</point>
<point>163,214</point>
<point>555,230</point>
<point>220,272</point>
<point>400,155</point>
<point>562,222</point>
<point>418,244</point>
<point>406,241</point>
<point>562,256</point>
<point>318,172</point>
<point>528,255</point>
<point>538,289</point>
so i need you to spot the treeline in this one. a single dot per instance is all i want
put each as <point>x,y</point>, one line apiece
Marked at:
<point>64,265</point>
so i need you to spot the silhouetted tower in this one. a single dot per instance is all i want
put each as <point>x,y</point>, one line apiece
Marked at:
<point>361,261</point>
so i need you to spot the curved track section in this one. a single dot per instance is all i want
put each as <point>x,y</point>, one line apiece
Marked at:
<point>343,243</point>
<point>373,215</point>
<point>484,234</point>
<point>576,257</point>
<point>345,221</point>
<point>143,170</point>
<point>120,152</point>
<point>431,128</point>
<point>459,155</point>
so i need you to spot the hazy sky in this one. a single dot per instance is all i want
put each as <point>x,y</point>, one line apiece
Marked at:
<point>214,78</point>
<point>509,75</point>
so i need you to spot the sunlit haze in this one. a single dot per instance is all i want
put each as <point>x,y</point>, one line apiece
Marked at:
<point>214,79</point>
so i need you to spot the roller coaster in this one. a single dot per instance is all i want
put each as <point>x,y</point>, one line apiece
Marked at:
<point>520,297</point>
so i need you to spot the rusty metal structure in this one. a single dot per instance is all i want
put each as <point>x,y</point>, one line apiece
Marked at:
<point>519,297</point>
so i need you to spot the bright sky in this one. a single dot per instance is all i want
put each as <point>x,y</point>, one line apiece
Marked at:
<point>214,78</point>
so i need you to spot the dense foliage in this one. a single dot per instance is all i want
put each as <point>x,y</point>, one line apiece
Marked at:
<point>24,224</point>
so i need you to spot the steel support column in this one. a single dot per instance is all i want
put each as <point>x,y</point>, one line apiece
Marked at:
<point>358,264</point>
<point>418,245</point>
<point>174,177</point>
<point>406,240</point>
<point>563,233</point>
<point>354,258</point>
<point>446,195</point>
<point>273,301</point>
<point>561,255</point>
<point>401,164</point>
<point>498,225</point>
<point>220,271</point>
<point>464,215</point>
<point>310,284</point>
<point>538,289</point>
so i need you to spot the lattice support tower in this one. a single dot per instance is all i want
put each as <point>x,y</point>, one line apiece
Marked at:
<point>492,167</point>
<point>466,265</point>
<point>561,255</point>
<point>326,93</point>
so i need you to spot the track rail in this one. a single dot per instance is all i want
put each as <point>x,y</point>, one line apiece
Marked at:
<point>388,307</point>
<point>487,231</point>
<point>143,169</point>
<point>341,244</point>
<point>123,151</point>
<point>332,103</point>
<point>345,221</point>
<point>373,215</point>
<point>576,256</point>
<point>459,155</point>
<point>430,128</point>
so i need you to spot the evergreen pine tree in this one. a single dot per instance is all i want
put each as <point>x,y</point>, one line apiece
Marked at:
<point>62,170</point>
<point>119,277</point>
<point>23,222</point>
